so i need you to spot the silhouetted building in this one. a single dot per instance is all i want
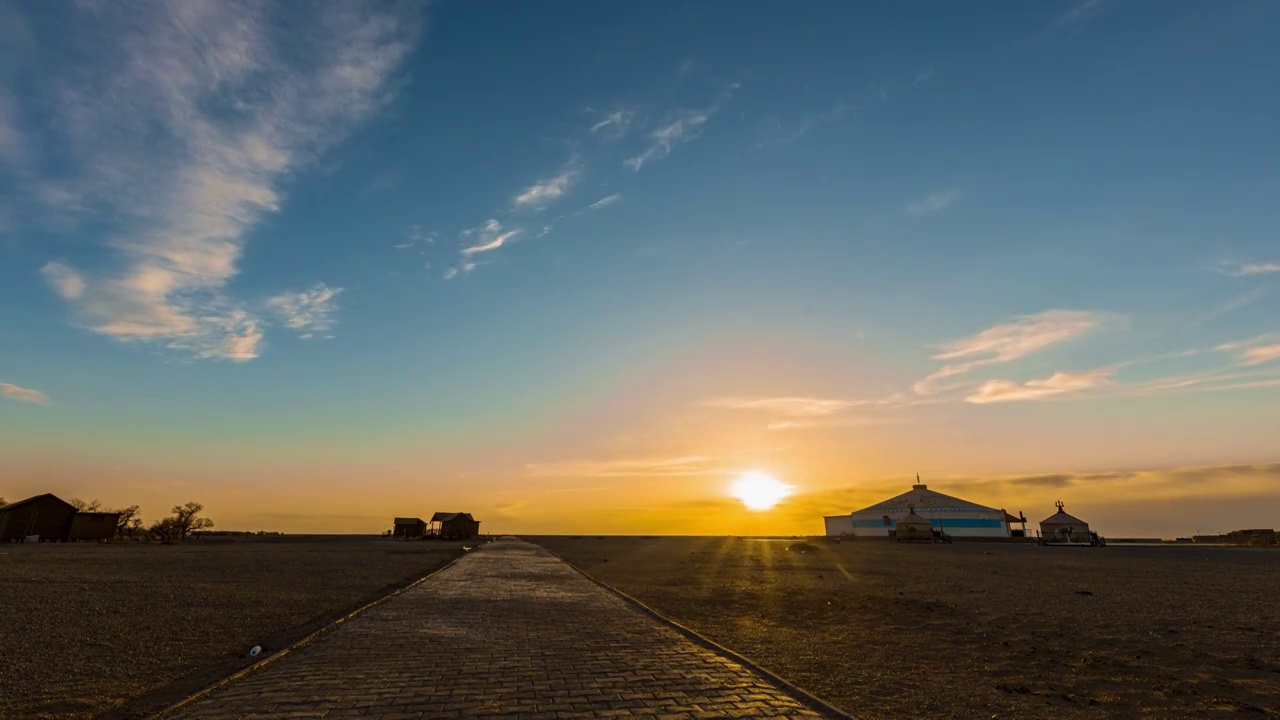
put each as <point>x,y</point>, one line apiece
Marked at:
<point>1255,536</point>
<point>93,526</point>
<point>410,527</point>
<point>454,526</point>
<point>47,516</point>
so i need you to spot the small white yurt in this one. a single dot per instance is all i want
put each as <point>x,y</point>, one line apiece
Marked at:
<point>1061,527</point>
<point>913,527</point>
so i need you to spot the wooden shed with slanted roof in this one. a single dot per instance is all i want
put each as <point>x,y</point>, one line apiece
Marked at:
<point>47,516</point>
<point>409,527</point>
<point>454,526</point>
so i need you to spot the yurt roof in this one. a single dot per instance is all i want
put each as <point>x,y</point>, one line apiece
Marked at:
<point>925,499</point>
<point>913,519</point>
<point>1062,518</point>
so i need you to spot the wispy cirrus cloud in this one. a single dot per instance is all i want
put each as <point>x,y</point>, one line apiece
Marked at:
<point>1009,341</point>
<point>1254,351</point>
<point>1247,269</point>
<point>1080,12</point>
<point>1056,385</point>
<point>674,466</point>
<point>605,202</point>
<point>186,144</point>
<point>547,190</point>
<point>486,238</point>
<point>932,203</point>
<point>786,406</point>
<point>22,394</point>
<point>306,312</point>
<point>613,125</point>
<point>680,128</point>
<point>779,134</point>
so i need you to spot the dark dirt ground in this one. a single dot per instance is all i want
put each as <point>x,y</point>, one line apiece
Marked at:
<point>88,629</point>
<point>974,630</point>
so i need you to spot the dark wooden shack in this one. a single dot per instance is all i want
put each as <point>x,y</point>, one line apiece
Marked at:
<point>409,527</point>
<point>47,516</point>
<point>94,526</point>
<point>454,526</point>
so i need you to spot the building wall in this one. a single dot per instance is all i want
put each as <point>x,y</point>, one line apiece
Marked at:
<point>93,526</point>
<point>967,524</point>
<point>839,525</point>
<point>410,530</point>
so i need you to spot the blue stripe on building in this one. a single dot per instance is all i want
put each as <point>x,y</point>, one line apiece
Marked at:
<point>956,523</point>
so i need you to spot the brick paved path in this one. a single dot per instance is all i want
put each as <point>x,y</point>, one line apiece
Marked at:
<point>509,631</point>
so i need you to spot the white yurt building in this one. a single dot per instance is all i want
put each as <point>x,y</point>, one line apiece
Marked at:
<point>1062,527</point>
<point>952,515</point>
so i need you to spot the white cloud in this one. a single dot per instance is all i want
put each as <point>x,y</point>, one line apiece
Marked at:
<point>547,190</point>
<point>66,281</point>
<point>1080,12</point>
<point>779,135</point>
<point>22,394</point>
<point>489,244</point>
<point>605,202</point>
<point>1261,354</point>
<point>613,125</point>
<point>682,129</point>
<point>185,128</point>
<point>1246,269</point>
<point>307,311</point>
<point>934,202</point>
<point>1009,341</point>
<point>789,406</point>
<point>677,466</point>
<point>1060,383</point>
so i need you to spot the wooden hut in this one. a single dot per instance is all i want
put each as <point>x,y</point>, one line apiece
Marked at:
<point>1061,527</point>
<point>93,526</point>
<point>409,527</point>
<point>912,527</point>
<point>454,526</point>
<point>47,516</point>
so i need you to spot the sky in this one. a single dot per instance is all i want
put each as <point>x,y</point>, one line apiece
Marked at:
<point>575,267</point>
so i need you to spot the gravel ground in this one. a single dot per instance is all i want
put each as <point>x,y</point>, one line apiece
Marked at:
<point>974,630</point>
<point>90,629</point>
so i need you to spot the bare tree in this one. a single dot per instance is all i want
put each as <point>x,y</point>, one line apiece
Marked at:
<point>125,524</point>
<point>188,520</point>
<point>164,530</point>
<point>82,506</point>
<point>184,521</point>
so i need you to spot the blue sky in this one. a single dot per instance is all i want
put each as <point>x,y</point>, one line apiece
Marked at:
<point>501,238</point>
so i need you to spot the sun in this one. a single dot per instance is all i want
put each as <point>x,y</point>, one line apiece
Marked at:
<point>758,491</point>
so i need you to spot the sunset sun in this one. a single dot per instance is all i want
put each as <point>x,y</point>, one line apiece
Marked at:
<point>758,491</point>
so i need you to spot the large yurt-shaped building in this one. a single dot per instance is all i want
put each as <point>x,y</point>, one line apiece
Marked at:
<point>1061,527</point>
<point>949,514</point>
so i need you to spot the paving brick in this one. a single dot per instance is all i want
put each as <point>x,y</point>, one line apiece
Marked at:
<point>509,631</point>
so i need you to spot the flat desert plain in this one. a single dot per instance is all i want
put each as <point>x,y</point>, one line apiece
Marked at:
<point>91,630</point>
<point>974,630</point>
